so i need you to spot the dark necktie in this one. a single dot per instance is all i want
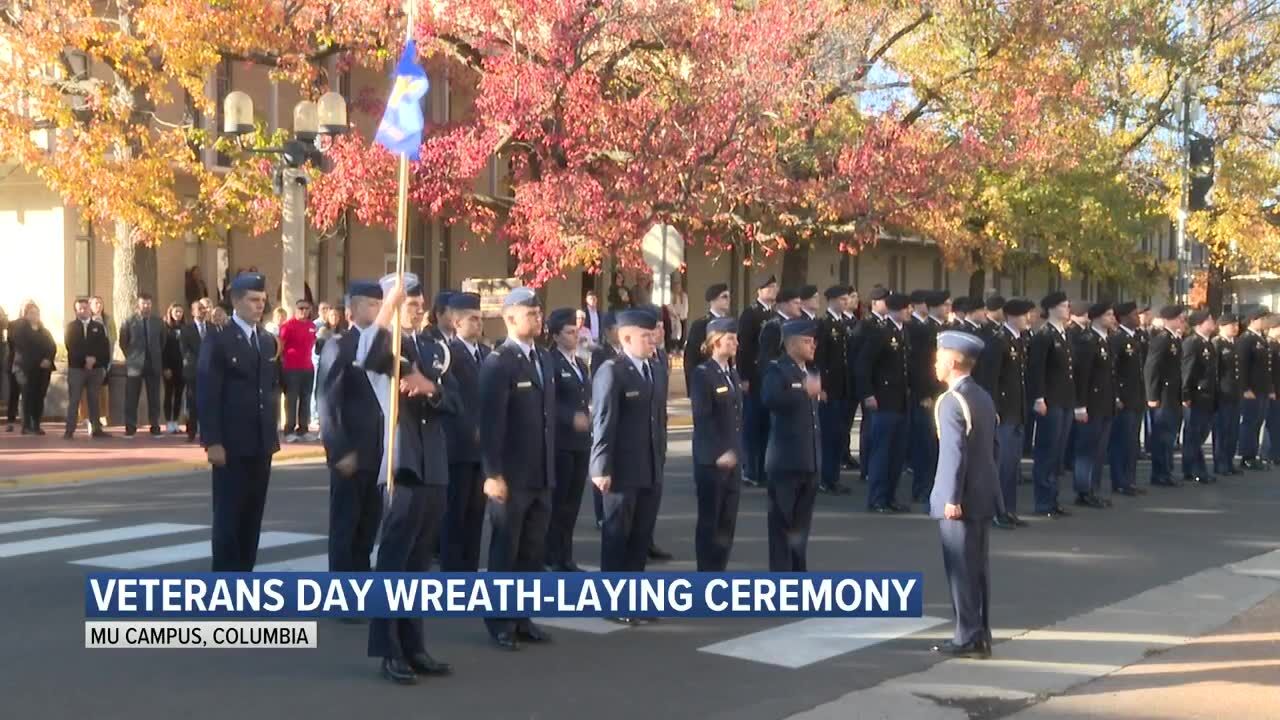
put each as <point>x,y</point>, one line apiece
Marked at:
<point>537,369</point>
<point>200,328</point>
<point>477,356</point>
<point>648,375</point>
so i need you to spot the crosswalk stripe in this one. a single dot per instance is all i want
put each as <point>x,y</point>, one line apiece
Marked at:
<point>41,524</point>
<point>96,537</point>
<point>188,551</point>
<point>313,563</point>
<point>805,642</point>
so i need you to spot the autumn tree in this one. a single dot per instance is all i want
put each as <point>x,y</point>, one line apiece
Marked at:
<point>120,83</point>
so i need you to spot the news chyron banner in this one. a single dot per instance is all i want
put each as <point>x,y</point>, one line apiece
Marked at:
<point>271,610</point>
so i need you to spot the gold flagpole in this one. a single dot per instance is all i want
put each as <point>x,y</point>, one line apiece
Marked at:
<point>402,235</point>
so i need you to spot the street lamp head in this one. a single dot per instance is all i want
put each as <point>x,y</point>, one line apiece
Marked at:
<point>331,110</point>
<point>305,123</point>
<point>237,113</point>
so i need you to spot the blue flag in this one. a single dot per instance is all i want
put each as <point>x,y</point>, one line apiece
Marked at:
<point>401,128</point>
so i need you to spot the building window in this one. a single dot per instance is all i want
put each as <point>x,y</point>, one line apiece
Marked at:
<point>84,265</point>
<point>897,273</point>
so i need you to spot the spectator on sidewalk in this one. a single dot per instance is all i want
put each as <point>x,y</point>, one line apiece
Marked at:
<point>8,386</point>
<point>171,363</point>
<point>195,286</point>
<point>591,308</point>
<point>190,340</point>
<point>142,341</point>
<point>35,349</point>
<point>278,318</point>
<point>88,352</point>
<point>218,317</point>
<point>297,341</point>
<point>678,309</point>
<point>97,310</point>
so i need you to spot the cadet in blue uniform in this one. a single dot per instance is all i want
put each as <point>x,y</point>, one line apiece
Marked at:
<point>755,417</point>
<point>792,387</point>
<point>964,492</point>
<point>1095,390</point>
<point>1163,374</point>
<point>573,438</point>
<point>886,388</point>
<point>1010,370</point>
<point>1199,395</point>
<point>1226,418</point>
<point>236,380</point>
<point>922,332</point>
<point>1130,402</point>
<point>718,299</point>
<point>1051,386</point>
<point>352,432</point>
<point>517,448</point>
<point>1257,390</point>
<point>464,518</point>
<point>716,399</point>
<point>833,363</point>
<point>626,452</point>
<point>414,508</point>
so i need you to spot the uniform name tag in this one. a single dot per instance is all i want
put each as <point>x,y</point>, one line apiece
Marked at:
<point>564,374</point>
<point>722,389</point>
<point>797,386</point>
<point>525,384</point>
<point>633,393</point>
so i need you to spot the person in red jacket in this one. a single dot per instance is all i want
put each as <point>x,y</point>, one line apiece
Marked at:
<point>297,339</point>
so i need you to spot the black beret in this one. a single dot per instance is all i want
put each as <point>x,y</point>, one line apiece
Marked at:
<point>937,298</point>
<point>1259,313</point>
<point>964,304</point>
<point>787,295</point>
<point>1125,308</point>
<point>898,301</point>
<point>799,326</point>
<point>1169,312</point>
<point>246,281</point>
<point>716,291</point>
<point>836,291</point>
<point>521,297</point>
<point>723,325</point>
<point>1228,319</point>
<point>995,302</point>
<point>1052,300</point>
<point>879,293</point>
<point>919,296</point>
<point>464,301</point>
<point>766,282</point>
<point>637,318</point>
<point>1098,309</point>
<point>559,318</point>
<point>807,291</point>
<point>364,288</point>
<point>1080,307</point>
<point>1018,307</point>
<point>1198,316</point>
<point>442,299</point>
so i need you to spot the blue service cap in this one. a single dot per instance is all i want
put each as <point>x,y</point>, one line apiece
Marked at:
<point>559,318</point>
<point>442,299</point>
<point>464,301</point>
<point>723,325</point>
<point>246,281</point>
<point>609,321</point>
<point>962,342</point>
<point>364,288</point>
<point>521,297</point>
<point>642,319</point>
<point>412,285</point>
<point>799,326</point>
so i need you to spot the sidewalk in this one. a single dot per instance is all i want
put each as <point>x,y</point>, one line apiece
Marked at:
<point>29,460</point>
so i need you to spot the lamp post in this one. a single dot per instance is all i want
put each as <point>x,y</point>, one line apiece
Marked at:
<point>312,123</point>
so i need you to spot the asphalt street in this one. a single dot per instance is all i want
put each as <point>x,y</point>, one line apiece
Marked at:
<point>1053,570</point>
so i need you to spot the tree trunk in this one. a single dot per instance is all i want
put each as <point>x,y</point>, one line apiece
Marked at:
<point>795,265</point>
<point>1216,288</point>
<point>978,282</point>
<point>133,267</point>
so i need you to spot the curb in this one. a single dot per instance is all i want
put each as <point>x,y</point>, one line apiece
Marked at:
<point>131,472</point>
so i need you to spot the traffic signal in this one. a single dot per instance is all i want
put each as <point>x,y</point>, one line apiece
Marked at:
<point>1201,162</point>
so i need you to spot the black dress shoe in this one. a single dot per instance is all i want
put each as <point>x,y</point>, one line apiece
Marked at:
<point>38,431</point>
<point>628,621</point>
<point>1061,511</point>
<point>899,508</point>
<point>1017,521</point>
<point>424,664</point>
<point>1088,501</point>
<point>969,650</point>
<point>398,671</point>
<point>1002,522</point>
<point>532,633</point>
<point>1126,491</point>
<point>1203,480</point>
<point>155,430</point>
<point>68,435</point>
<point>100,434</point>
<point>835,489</point>
<point>657,554</point>
<point>506,641</point>
<point>1054,514</point>
<point>750,482</point>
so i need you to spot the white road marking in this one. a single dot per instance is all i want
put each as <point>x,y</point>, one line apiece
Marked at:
<point>171,554</point>
<point>805,642</point>
<point>41,524</point>
<point>97,537</point>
